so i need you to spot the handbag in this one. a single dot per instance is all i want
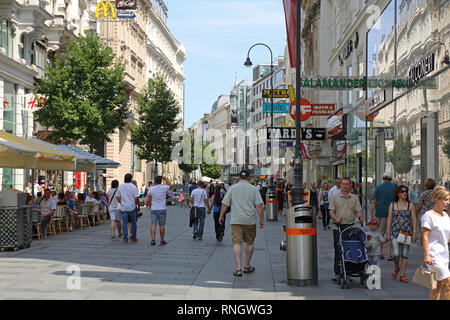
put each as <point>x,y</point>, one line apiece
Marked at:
<point>403,236</point>
<point>425,277</point>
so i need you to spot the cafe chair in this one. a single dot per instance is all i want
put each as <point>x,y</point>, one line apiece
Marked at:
<point>36,223</point>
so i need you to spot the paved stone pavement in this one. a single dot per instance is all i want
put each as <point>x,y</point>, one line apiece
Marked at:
<point>182,269</point>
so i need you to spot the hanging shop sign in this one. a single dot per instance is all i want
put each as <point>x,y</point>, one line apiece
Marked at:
<point>377,98</point>
<point>307,134</point>
<point>277,93</point>
<point>424,67</point>
<point>105,7</point>
<point>354,83</point>
<point>126,15</point>
<point>305,110</point>
<point>336,123</point>
<point>126,4</point>
<point>277,107</point>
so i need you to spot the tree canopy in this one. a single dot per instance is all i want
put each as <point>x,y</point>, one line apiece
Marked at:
<point>85,93</point>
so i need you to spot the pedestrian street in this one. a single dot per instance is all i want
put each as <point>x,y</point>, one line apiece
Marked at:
<point>184,268</point>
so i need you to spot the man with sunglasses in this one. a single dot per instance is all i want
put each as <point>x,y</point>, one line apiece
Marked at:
<point>381,200</point>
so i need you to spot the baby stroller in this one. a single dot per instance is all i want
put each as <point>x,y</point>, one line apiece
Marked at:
<point>354,262</point>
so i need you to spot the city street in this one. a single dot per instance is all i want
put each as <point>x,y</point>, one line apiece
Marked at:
<point>182,269</point>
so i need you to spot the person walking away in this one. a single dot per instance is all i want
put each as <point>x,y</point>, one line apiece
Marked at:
<point>128,197</point>
<point>314,201</point>
<point>48,208</point>
<point>425,201</point>
<point>344,207</point>
<point>199,199</point>
<point>158,206</point>
<point>243,198</point>
<point>401,225</point>
<point>335,189</point>
<point>216,204</point>
<point>280,198</point>
<point>263,192</point>
<point>381,200</point>
<point>114,210</point>
<point>374,240</point>
<point>435,238</point>
<point>147,187</point>
<point>323,204</point>
<point>186,193</point>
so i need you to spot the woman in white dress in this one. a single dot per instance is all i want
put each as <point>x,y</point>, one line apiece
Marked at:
<point>435,238</point>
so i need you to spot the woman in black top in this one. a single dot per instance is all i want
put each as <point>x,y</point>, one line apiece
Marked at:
<point>216,204</point>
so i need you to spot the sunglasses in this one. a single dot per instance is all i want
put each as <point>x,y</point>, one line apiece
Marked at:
<point>403,191</point>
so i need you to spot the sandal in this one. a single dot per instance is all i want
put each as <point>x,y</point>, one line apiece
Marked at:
<point>153,242</point>
<point>394,274</point>
<point>403,279</point>
<point>163,242</point>
<point>381,257</point>
<point>390,259</point>
<point>112,237</point>
<point>237,273</point>
<point>249,269</point>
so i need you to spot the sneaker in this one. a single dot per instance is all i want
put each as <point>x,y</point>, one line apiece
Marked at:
<point>70,229</point>
<point>220,237</point>
<point>200,238</point>
<point>194,236</point>
<point>324,228</point>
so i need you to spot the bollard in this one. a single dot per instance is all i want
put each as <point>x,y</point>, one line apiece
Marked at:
<point>271,206</point>
<point>301,246</point>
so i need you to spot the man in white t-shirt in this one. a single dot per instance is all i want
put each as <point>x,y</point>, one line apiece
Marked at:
<point>199,199</point>
<point>128,197</point>
<point>157,202</point>
<point>48,208</point>
<point>335,189</point>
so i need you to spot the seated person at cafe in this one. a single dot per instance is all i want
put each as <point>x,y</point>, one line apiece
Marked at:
<point>70,199</point>
<point>61,199</point>
<point>48,207</point>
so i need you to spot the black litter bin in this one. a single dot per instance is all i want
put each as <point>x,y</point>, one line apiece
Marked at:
<point>15,227</point>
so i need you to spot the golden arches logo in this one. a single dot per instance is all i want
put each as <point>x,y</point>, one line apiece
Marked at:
<point>100,5</point>
<point>287,123</point>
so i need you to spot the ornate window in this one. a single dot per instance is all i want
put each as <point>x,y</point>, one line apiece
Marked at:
<point>6,37</point>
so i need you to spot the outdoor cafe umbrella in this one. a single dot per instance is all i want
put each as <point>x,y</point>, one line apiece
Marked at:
<point>33,155</point>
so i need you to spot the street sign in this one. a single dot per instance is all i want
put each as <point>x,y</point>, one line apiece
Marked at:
<point>126,15</point>
<point>277,93</point>
<point>257,171</point>
<point>307,134</point>
<point>305,110</point>
<point>277,107</point>
<point>282,144</point>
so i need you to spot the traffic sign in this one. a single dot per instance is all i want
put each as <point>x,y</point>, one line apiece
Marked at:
<point>282,144</point>
<point>126,15</point>
<point>288,133</point>
<point>277,93</point>
<point>305,110</point>
<point>277,107</point>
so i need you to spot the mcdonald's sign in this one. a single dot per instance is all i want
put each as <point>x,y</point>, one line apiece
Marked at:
<point>287,123</point>
<point>100,5</point>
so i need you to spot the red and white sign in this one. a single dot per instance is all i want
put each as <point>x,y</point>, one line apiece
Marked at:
<point>305,110</point>
<point>323,109</point>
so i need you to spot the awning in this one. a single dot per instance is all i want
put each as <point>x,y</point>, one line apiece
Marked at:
<point>22,153</point>
<point>100,162</point>
<point>83,163</point>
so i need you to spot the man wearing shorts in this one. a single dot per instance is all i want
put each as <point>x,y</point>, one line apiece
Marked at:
<point>243,197</point>
<point>157,202</point>
<point>381,200</point>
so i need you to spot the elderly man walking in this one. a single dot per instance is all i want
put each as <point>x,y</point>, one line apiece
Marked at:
<point>128,197</point>
<point>344,207</point>
<point>242,197</point>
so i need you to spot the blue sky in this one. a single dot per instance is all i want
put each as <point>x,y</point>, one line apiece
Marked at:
<point>217,35</point>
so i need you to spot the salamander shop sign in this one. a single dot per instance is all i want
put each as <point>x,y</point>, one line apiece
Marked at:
<point>352,83</point>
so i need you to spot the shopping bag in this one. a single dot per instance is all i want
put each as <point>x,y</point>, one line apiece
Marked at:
<point>425,277</point>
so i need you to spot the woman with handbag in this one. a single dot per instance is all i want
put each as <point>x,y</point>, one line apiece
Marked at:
<point>435,238</point>
<point>401,229</point>
<point>114,209</point>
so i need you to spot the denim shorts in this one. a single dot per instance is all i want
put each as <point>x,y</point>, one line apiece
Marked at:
<point>159,216</point>
<point>399,250</point>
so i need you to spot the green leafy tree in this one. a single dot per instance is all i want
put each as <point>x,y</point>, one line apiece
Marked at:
<point>158,118</point>
<point>208,161</point>
<point>85,93</point>
<point>401,158</point>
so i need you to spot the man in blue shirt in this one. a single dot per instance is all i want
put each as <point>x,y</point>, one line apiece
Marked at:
<point>381,199</point>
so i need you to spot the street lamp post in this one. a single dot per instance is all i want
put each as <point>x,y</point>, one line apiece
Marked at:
<point>298,166</point>
<point>248,63</point>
